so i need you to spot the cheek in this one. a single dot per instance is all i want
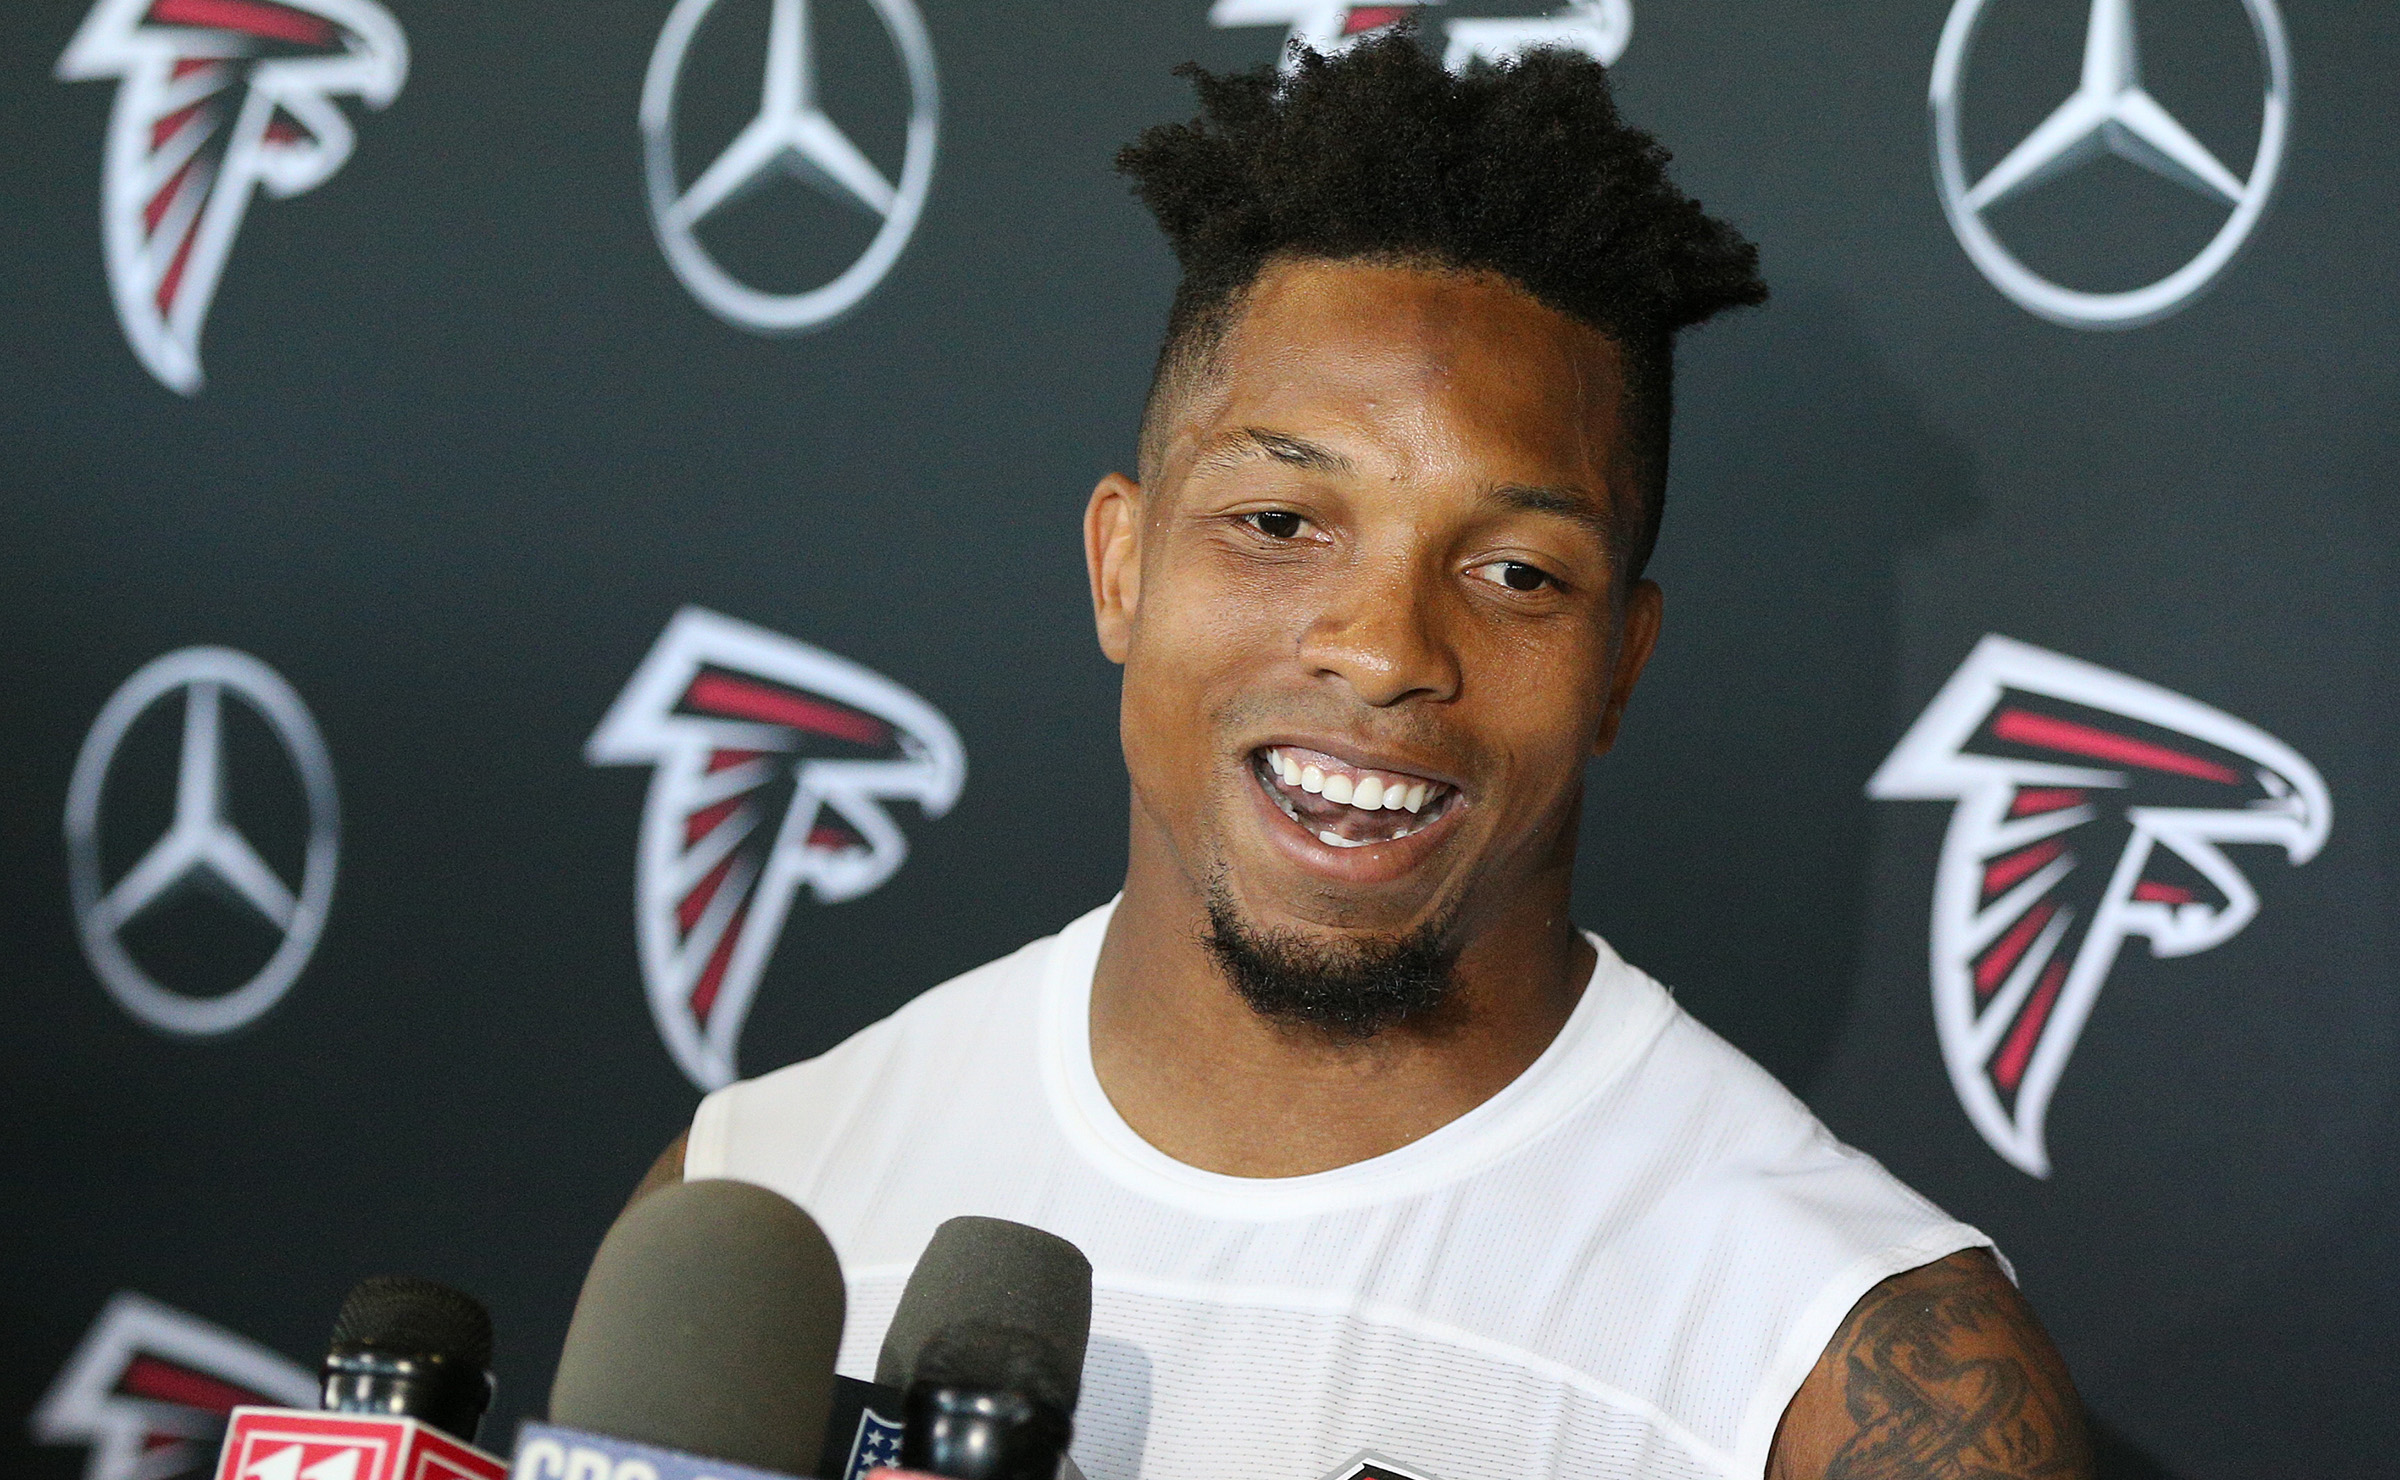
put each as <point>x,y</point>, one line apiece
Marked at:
<point>1543,697</point>
<point>1205,630</point>
<point>1197,653</point>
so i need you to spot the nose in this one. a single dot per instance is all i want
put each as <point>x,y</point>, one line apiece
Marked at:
<point>1380,633</point>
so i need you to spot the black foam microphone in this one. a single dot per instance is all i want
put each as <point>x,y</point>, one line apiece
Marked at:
<point>407,1348</point>
<point>988,1340</point>
<point>709,1324</point>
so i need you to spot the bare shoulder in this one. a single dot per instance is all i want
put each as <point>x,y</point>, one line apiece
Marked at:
<point>1941,1373</point>
<point>664,1172</point>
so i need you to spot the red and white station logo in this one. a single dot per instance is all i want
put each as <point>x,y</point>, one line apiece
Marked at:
<point>731,717</point>
<point>278,1444</point>
<point>149,1389</point>
<point>216,99</point>
<point>2090,808</point>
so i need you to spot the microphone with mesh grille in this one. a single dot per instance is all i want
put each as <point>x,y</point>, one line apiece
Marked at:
<point>708,1325</point>
<point>406,1379</point>
<point>988,1342</point>
<point>409,1348</point>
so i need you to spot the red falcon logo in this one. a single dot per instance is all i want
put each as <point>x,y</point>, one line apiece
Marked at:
<point>736,719</point>
<point>2090,807</point>
<point>216,98</point>
<point>149,1389</point>
<point>1327,26</point>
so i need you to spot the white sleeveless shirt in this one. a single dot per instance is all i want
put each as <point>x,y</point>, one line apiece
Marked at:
<point>1623,1264</point>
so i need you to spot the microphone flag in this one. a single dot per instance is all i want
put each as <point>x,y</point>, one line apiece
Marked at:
<point>294,1444</point>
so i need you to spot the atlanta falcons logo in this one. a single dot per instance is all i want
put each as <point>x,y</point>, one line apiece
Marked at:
<point>2090,807</point>
<point>149,1389</point>
<point>216,98</point>
<point>1597,28</point>
<point>731,716</point>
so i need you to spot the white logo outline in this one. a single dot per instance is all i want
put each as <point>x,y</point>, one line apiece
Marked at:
<point>200,838</point>
<point>169,215</point>
<point>1931,762</point>
<point>1600,29</point>
<point>737,930</point>
<point>2111,112</point>
<point>83,1406</point>
<point>789,132</point>
<point>1368,1463</point>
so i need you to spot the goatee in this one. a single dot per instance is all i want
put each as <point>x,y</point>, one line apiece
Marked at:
<point>1350,990</point>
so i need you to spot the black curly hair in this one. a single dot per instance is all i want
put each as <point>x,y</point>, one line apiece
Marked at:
<point>1379,153</point>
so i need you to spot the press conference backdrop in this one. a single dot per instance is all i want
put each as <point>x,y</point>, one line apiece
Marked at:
<point>540,573</point>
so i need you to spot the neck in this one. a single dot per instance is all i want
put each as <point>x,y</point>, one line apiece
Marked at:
<point>1204,1078</point>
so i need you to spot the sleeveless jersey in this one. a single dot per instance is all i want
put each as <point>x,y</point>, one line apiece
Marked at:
<point>1622,1264</point>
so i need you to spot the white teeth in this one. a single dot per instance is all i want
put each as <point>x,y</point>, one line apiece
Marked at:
<point>1368,793</point>
<point>1334,839</point>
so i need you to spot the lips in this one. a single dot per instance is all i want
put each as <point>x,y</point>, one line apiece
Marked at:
<point>1344,804</point>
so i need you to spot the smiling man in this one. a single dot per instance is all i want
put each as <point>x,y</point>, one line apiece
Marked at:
<point>1384,1168</point>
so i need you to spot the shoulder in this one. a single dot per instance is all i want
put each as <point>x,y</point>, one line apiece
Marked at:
<point>1745,1139</point>
<point>1744,1199</point>
<point>1940,1370</point>
<point>761,1120</point>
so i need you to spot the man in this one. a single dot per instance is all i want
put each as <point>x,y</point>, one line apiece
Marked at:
<point>1382,1166</point>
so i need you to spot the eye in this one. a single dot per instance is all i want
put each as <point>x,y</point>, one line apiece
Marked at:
<point>1516,575</point>
<point>1275,524</point>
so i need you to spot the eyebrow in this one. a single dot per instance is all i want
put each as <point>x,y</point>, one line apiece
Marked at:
<point>1251,443</point>
<point>1567,503</point>
<point>1257,442</point>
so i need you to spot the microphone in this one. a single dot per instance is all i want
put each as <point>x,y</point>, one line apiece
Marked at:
<point>705,1335</point>
<point>988,1342</point>
<point>406,1380</point>
<point>412,1349</point>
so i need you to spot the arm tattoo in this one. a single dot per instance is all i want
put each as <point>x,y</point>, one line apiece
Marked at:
<point>1949,1378</point>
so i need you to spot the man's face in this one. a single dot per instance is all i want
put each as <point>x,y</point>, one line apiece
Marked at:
<point>1369,608</point>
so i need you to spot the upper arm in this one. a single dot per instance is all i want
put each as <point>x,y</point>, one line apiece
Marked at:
<point>1941,1373</point>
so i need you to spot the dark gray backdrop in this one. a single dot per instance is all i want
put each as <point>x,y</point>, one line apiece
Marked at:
<point>466,444</point>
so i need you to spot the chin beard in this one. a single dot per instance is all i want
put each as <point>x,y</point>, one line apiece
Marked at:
<point>1350,990</point>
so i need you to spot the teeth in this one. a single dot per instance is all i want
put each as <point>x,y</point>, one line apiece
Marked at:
<point>1368,793</point>
<point>1334,839</point>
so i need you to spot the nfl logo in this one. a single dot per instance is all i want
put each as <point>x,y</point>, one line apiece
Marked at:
<point>876,1445</point>
<point>1367,1466</point>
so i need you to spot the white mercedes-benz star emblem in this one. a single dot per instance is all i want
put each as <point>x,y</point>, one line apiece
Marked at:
<point>2110,112</point>
<point>201,844</point>
<point>790,135</point>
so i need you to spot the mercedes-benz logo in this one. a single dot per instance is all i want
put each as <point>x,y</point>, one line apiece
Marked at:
<point>2109,112</point>
<point>201,845</point>
<point>790,134</point>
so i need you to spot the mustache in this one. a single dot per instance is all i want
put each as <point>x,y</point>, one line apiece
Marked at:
<point>1411,729</point>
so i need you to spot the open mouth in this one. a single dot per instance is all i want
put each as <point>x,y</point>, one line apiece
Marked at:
<point>1346,806</point>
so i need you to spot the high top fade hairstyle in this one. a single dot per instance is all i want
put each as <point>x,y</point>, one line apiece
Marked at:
<point>1379,154</point>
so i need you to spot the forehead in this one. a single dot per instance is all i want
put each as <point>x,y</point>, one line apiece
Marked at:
<point>1429,364</point>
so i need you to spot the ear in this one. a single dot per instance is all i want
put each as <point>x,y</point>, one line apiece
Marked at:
<point>1112,554</point>
<point>1644,608</point>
